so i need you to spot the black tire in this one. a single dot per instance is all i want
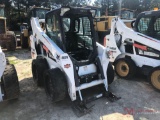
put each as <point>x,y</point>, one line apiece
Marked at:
<point>24,41</point>
<point>11,44</point>
<point>132,23</point>
<point>29,44</point>
<point>39,66</point>
<point>10,84</point>
<point>18,43</point>
<point>125,68</point>
<point>55,84</point>
<point>154,78</point>
<point>110,74</point>
<point>3,44</point>
<point>7,61</point>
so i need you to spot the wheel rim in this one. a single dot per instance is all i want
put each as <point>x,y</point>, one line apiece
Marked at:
<point>155,79</point>
<point>122,68</point>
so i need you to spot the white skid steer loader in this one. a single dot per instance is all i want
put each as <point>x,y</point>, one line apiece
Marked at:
<point>66,57</point>
<point>133,51</point>
<point>9,85</point>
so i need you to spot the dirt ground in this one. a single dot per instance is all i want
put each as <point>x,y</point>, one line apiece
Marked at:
<point>138,98</point>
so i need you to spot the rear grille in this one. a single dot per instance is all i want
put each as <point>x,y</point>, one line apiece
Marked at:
<point>2,26</point>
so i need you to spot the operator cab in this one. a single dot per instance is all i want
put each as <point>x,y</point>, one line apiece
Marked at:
<point>38,12</point>
<point>148,23</point>
<point>125,14</point>
<point>72,30</point>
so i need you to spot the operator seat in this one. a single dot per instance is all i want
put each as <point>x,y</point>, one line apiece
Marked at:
<point>71,41</point>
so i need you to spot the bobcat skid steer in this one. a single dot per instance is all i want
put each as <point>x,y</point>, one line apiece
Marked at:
<point>9,85</point>
<point>130,51</point>
<point>67,59</point>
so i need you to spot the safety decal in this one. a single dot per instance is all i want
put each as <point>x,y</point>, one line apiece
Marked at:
<point>67,66</point>
<point>64,57</point>
<point>146,53</point>
<point>142,47</point>
<point>45,48</point>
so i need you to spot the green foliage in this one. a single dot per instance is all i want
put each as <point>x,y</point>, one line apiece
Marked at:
<point>137,5</point>
<point>15,9</point>
<point>154,3</point>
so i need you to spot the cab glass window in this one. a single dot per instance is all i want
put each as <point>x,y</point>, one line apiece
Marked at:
<point>66,24</point>
<point>2,12</point>
<point>53,29</point>
<point>157,28</point>
<point>143,25</point>
<point>84,32</point>
<point>79,36</point>
<point>40,13</point>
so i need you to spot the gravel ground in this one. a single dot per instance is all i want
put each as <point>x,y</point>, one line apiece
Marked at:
<point>138,98</point>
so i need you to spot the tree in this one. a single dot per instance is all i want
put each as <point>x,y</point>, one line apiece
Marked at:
<point>154,3</point>
<point>15,9</point>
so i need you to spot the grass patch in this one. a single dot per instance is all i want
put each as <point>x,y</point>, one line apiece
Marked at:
<point>13,60</point>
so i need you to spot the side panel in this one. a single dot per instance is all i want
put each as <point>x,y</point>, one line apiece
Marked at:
<point>104,62</point>
<point>33,49</point>
<point>2,62</point>
<point>87,69</point>
<point>112,50</point>
<point>67,66</point>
